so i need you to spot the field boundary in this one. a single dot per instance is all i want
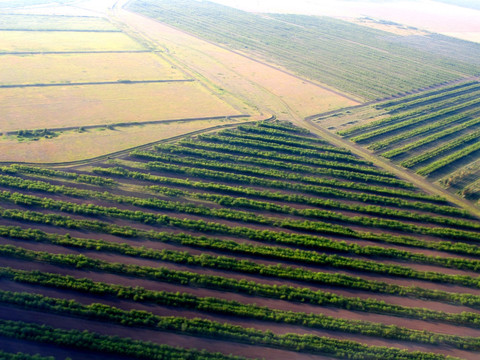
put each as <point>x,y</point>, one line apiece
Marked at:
<point>127,151</point>
<point>72,52</point>
<point>62,30</point>
<point>119,82</point>
<point>136,123</point>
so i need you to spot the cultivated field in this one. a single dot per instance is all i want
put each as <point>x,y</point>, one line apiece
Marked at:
<point>46,22</point>
<point>65,41</point>
<point>36,107</point>
<point>318,48</point>
<point>77,67</point>
<point>434,133</point>
<point>261,242</point>
<point>75,145</point>
<point>89,73</point>
<point>256,84</point>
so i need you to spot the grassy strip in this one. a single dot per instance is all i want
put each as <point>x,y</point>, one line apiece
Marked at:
<point>283,126</point>
<point>223,148</point>
<point>426,95</point>
<point>260,128</point>
<point>394,119</point>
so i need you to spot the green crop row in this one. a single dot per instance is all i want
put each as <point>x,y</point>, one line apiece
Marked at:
<point>423,129</point>
<point>264,162</point>
<point>102,344</point>
<point>281,292</point>
<point>212,329</point>
<point>415,121</point>
<point>258,144</point>
<point>139,294</point>
<point>411,162</point>
<point>431,138</point>
<point>230,308</point>
<point>81,178</point>
<point>427,170</point>
<point>277,253</point>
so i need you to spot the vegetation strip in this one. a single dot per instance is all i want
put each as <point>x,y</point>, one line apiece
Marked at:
<point>213,329</point>
<point>282,292</point>
<point>228,307</point>
<point>103,344</point>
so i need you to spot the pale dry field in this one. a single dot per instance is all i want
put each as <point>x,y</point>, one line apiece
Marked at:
<point>47,22</point>
<point>258,85</point>
<point>40,41</point>
<point>73,146</point>
<point>63,68</point>
<point>396,29</point>
<point>65,106</point>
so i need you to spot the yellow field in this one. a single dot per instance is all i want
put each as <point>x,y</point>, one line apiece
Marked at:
<point>38,22</point>
<point>72,146</point>
<point>37,41</point>
<point>54,107</point>
<point>261,87</point>
<point>47,69</point>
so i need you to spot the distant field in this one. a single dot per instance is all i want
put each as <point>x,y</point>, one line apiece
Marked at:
<point>52,107</point>
<point>258,85</point>
<point>36,22</point>
<point>5,4</point>
<point>64,68</point>
<point>39,41</point>
<point>434,133</point>
<point>355,59</point>
<point>74,145</point>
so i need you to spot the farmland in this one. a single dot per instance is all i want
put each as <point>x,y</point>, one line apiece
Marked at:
<point>152,245</point>
<point>434,133</point>
<point>173,187</point>
<point>383,64</point>
<point>87,79</point>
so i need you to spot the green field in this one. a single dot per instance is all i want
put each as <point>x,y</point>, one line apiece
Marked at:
<point>261,241</point>
<point>364,62</point>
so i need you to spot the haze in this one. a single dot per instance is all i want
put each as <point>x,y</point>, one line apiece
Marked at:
<point>434,16</point>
